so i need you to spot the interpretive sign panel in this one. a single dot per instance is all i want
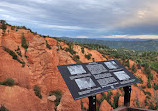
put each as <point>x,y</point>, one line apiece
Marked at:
<point>87,79</point>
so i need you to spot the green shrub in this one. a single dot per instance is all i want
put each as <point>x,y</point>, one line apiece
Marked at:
<point>82,107</point>
<point>8,82</point>
<point>139,66</point>
<point>116,99</point>
<point>148,97</point>
<point>23,41</point>
<point>3,108</point>
<point>18,51</point>
<point>58,95</point>
<point>108,97</point>
<point>37,91</point>
<point>61,48</point>
<point>82,50</point>
<point>70,49</point>
<point>143,87</point>
<point>136,85</point>
<point>93,59</point>
<point>76,58</point>
<point>155,86</point>
<point>147,69</point>
<point>147,93</point>
<point>13,54</point>
<point>88,56</point>
<point>141,81</point>
<point>47,45</point>
<point>149,84</point>
<point>146,102</point>
<point>105,57</point>
<point>151,106</point>
<point>3,26</point>
<point>150,76</point>
<point>12,27</point>
<point>25,53</point>
<point>104,95</point>
<point>134,68</point>
<point>127,63</point>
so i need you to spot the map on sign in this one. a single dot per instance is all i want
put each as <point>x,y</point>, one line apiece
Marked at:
<point>87,79</point>
<point>77,69</point>
<point>84,83</point>
<point>121,75</point>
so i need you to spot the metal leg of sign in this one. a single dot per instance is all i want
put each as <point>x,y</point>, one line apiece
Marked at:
<point>127,95</point>
<point>92,103</point>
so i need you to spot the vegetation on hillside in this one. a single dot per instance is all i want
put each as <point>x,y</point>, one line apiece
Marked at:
<point>3,26</point>
<point>14,56</point>
<point>47,45</point>
<point>149,45</point>
<point>8,82</point>
<point>58,94</point>
<point>3,108</point>
<point>37,91</point>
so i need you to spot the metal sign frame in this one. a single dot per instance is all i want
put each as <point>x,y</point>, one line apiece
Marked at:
<point>89,79</point>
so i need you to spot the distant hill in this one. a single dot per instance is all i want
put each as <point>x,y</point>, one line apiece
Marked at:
<point>122,39</point>
<point>134,44</point>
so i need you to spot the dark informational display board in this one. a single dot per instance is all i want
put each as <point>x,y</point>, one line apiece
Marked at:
<point>87,79</point>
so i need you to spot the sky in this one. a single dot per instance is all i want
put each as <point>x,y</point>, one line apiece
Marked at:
<point>84,18</point>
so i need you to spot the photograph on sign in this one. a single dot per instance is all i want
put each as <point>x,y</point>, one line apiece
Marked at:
<point>85,83</point>
<point>96,69</point>
<point>121,75</point>
<point>111,65</point>
<point>77,69</point>
<point>106,81</point>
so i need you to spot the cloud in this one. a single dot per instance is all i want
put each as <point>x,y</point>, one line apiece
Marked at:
<point>90,18</point>
<point>61,27</point>
<point>82,37</point>
<point>133,36</point>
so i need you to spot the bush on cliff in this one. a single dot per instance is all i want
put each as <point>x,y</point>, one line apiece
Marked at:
<point>47,45</point>
<point>58,95</point>
<point>12,53</point>
<point>88,56</point>
<point>82,49</point>
<point>3,108</point>
<point>8,82</point>
<point>14,56</point>
<point>37,91</point>
<point>23,41</point>
<point>134,68</point>
<point>116,99</point>
<point>3,26</point>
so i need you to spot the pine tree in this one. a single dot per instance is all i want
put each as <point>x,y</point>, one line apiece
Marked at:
<point>3,27</point>
<point>134,68</point>
<point>127,63</point>
<point>23,42</point>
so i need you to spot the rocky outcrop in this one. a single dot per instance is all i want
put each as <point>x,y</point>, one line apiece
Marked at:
<point>52,98</point>
<point>10,68</point>
<point>105,106</point>
<point>67,103</point>
<point>21,99</point>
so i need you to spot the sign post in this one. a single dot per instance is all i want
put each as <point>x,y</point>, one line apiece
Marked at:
<point>89,79</point>
<point>127,95</point>
<point>92,103</point>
